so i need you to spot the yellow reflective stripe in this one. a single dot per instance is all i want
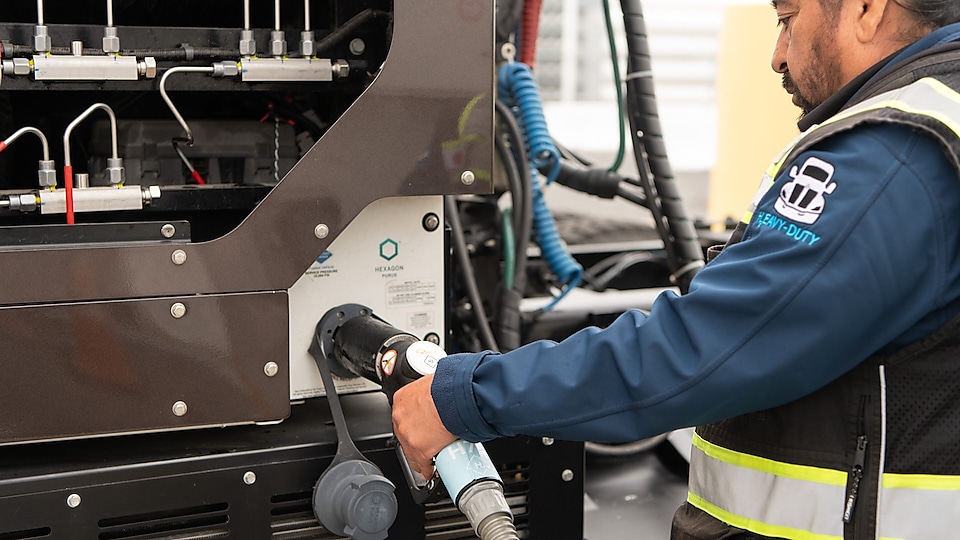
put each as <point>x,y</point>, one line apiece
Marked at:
<point>754,526</point>
<point>921,481</point>
<point>777,468</point>
<point>890,100</point>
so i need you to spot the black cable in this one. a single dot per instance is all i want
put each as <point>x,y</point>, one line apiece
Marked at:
<point>631,195</point>
<point>469,278</point>
<point>685,255</point>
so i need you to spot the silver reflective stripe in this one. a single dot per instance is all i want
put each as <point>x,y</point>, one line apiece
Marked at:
<point>928,97</point>
<point>914,512</point>
<point>766,497</point>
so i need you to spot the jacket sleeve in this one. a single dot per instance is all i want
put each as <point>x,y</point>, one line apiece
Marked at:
<point>793,306</point>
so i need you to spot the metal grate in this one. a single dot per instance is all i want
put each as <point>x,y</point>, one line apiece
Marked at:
<point>443,521</point>
<point>192,523</point>
<point>26,534</point>
<point>291,518</point>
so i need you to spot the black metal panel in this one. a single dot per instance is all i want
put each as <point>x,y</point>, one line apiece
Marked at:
<point>426,118</point>
<point>162,485</point>
<point>99,368</point>
<point>88,234</point>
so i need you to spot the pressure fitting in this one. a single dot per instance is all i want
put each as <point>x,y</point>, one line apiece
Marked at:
<point>111,41</point>
<point>148,68</point>
<point>278,44</point>
<point>47,174</point>
<point>307,44</point>
<point>226,69</point>
<point>17,67</point>
<point>41,39</point>
<point>341,69</point>
<point>115,173</point>
<point>248,45</point>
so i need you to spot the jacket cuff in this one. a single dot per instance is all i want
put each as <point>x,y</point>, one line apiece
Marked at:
<point>452,392</point>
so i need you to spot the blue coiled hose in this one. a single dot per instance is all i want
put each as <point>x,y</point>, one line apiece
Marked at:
<point>518,90</point>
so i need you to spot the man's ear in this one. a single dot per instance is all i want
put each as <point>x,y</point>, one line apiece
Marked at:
<point>868,18</point>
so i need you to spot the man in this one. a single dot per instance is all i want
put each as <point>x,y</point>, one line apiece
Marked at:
<point>818,352</point>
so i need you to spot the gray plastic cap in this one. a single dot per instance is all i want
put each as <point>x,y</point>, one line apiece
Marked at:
<point>354,499</point>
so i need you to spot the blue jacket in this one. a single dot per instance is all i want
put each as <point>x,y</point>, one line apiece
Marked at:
<point>775,317</point>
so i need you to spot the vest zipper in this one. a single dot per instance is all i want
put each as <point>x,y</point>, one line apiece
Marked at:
<point>856,475</point>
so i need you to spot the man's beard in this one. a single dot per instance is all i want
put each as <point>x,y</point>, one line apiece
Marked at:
<point>801,101</point>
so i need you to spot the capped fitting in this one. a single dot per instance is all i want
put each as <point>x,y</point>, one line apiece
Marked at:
<point>24,203</point>
<point>278,44</point>
<point>248,45</point>
<point>82,180</point>
<point>47,173</point>
<point>76,48</point>
<point>111,41</point>
<point>341,69</point>
<point>115,173</point>
<point>41,39</point>
<point>226,69</point>
<point>307,44</point>
<point>148,68</point>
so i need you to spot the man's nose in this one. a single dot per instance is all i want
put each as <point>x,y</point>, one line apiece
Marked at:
<point>779,60</point>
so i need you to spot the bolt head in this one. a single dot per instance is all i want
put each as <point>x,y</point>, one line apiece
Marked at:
<point>179,408</point>
<point>431,222</point>
<point>179,257</point>
<point>73,500</point>
<point>432,338</point>
<point>321,231</point>
<point>357,46</point>
<point>249,478</point>
<point>270,369</point>
<point>567,475</point>
<point>468,178</point>
<point>178,310</point>
<point>168,230</point>
<point>548,441</point>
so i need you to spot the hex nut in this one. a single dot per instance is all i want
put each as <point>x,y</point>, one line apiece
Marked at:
<point>148,68</point>
<point>21,66</point>
<point>27,202</point>
<point>341,69</point>
<point>111,44</point>
<point>307,45</point>
<point>278,45</point>
<point>226,69</point>
<point>47,178</point>
<point>41,40</point>
<point>248,45</point>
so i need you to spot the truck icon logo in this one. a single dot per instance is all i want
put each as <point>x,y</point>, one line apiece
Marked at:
<point>802,199</point>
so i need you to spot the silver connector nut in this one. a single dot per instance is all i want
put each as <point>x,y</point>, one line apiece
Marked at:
<point>341,69</point>
<point>307,44</point>
<point>111,41</point>
<point>21,67</point>
<point>483,500</point>
<point>278,45</point>
<point>115,172</point>
<point>148,68</point>
<point>226,69</point>
<point>248,45</point>
<point>47,173</point>
<point>24,203</point>
<point>41,39</point>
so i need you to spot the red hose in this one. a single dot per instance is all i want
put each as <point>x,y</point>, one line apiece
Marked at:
<point>197,178</point>
<point>68,191</point>
<point>529,30</point>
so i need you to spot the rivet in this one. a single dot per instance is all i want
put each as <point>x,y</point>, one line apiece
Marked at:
<point>431,222</point>
<point>168,231</point>
<point>321,231</point>
<point>73,500</point>
<point>178,310</point>
<point>179,257</point>
<point>567,475</point>
<point>179,408</point>
<point>468,178</point>
<point>270,369</point>
<point>249,478</point>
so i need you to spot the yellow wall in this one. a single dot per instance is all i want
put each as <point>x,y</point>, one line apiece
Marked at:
<point>755,116</point>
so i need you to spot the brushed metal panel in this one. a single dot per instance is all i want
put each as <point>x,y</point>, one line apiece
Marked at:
<point>99,368</point>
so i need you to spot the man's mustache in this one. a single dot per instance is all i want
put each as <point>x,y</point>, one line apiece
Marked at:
<point>788,84</point>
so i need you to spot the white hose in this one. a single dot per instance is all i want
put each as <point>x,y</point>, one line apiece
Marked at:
<point>84,115</point>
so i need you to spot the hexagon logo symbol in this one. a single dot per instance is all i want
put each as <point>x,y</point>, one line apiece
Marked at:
<point>389,249</point>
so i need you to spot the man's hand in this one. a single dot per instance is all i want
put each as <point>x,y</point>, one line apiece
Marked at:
<point>417,425</point>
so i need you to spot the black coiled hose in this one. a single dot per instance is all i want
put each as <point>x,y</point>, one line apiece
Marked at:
<point>685,256</point>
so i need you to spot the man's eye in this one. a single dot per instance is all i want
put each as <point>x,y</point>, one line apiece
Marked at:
<point>783,21</point>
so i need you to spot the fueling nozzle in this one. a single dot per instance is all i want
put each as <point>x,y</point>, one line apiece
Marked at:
<point>361,344</point>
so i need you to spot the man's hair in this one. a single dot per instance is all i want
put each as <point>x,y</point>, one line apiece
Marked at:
<point>933,13</point>
<point>930,14</point>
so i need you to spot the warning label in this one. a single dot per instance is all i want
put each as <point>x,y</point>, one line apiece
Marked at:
<point>411,293</point>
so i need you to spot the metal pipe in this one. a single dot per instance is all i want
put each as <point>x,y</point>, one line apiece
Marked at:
<point>81,118</point>
<point>306,15</point>
<point>276,15</point>
<point>110,13</point>
<point>40,12</point>
<point>16,135</point>
<point>246,14</point>
<point>166,98</point>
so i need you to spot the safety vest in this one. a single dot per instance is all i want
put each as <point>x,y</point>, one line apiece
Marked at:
<point>874,454</point>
